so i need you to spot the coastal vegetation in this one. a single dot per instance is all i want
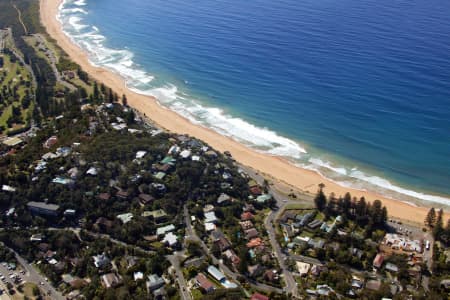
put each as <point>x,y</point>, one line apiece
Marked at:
<point>107,205</point>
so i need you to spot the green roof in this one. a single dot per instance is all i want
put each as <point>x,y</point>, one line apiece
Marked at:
<point>160,175</point>
<point>159,213</point>
<point>168,160</point>
<point>264,198</point>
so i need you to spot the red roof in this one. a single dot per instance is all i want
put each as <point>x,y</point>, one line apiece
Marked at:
<point>204,282</point>
<point>255,190</point>
<point>378,260</point>
<point>258,296</point>
<point>246,216</point>
<point>254,243</point>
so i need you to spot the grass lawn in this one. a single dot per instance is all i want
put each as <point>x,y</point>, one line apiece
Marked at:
<point>31,40</point>
<point>196,294</point>
<point>300,205</point>
<point>78,82</point>
<point>28,290</point>
<point>14,72</point>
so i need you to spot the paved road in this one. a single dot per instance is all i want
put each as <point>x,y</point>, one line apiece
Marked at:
<point>33,276</point>
<point>191,235</point>
<point>175,261</point>
<point>20,57</point>
<point>291,284</point>
<point>53,61</point>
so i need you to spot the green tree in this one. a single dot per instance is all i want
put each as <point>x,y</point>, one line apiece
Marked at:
<point>439,225</point>
<point>430,219</point>
<point>320,200</point>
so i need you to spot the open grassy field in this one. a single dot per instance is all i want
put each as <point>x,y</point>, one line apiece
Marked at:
<point>15,83</point>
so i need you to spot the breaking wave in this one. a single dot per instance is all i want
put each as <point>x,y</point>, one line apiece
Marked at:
<point>89,38</point>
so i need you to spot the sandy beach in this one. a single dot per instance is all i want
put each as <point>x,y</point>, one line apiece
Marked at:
<point>279,169</point>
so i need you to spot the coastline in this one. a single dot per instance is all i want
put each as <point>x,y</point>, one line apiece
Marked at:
<point>279,169</point>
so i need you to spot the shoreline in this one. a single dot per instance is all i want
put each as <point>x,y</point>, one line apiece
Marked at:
<point>278,169</point>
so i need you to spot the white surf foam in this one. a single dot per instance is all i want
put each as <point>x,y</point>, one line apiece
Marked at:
<point>357,179</point>
<point>80,2</point>
<point>74,21</point>
<point>121,61</point>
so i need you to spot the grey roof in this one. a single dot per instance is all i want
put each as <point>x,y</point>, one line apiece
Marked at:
<point>43,205</point>
<point>219,276</point>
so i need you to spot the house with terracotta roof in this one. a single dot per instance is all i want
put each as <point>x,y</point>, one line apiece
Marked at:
<point>255,190</point>
<point>378,260</point>
<point>204,283</point>
<point>258,296</point>
<point>246,216</point>
<point>256,242</point>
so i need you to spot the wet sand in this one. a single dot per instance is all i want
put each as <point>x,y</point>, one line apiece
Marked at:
<point>280,170</point>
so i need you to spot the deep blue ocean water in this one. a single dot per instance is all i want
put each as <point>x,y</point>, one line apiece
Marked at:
<point>363,86</point>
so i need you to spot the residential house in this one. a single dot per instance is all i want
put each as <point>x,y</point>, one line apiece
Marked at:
<point>158,215</point>
<point>223,198</point>
<point>145,199</point>
<point>103,224</point>
<point>263,198</point>
<point>373,285</point>
<point>271,275</point>
<point>251,233</point>
<point>123,194</point>
<point>138,276</point>
<point>104,196</point>
<point>204,283</point>
<point>223,243</point>
<point>111,280</point>
<point>258,296</point>
<point>288,215</point>
<point>125,218</point>
<point>255,270</point>
<point>256,242</point>
<point>316,243</point>
<point>214,272</point>
<point>303,268</point>
<point>255,190</point>
<point>391,267</point>
<point>210,217</point>
<point>247,216</point>
<point>170,239</point>
<point>315,224</point>
<point>50,142</point>
<point>248,207</point>
<point>210,227</point>
<point>246,225</point>
<point>232,257</point>
<point>163,230</point>
<point>42,208</point>
<point>154,282</point>
<point>101,261</point>
<point>378,261</point>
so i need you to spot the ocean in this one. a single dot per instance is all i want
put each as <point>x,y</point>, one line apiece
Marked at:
<point>358,91</point>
